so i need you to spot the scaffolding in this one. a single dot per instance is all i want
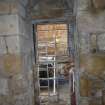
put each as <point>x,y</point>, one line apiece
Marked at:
<point>47,56</point>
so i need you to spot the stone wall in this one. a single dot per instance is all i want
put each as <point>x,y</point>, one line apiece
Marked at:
<point>15,53</point>
<point>91,51</point>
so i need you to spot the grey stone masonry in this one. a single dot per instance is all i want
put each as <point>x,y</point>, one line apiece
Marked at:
<point>16,82</point>
<point>90,23</point>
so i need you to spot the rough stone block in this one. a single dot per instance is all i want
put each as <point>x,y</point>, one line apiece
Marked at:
<point>22,100</point>
<point>14,8</point>
<point>83,5</point>
<point>22,25</point>
<point>99,4</point>
<point>6,100</point>
<point>84,43</point>
<point>25,28</point>
<point>85,87</point>
<point>2,46</point>
<point>25,45</point>
<point>84,101</point>
<point>4,8</point>
<point>7,1</point>
<point>90,23</point>
<point>101,42</point>
<point>8,25</point>
<point>4,86</point>
<point>18,84</point>
<point>11,6</point>
<point>27,62</point>
<point>22,11</point>
<point>10,65</point>
<point>13,44</point>
<point>24,2</point>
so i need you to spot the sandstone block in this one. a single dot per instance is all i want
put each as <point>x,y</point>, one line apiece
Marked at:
<point>10,64</point>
